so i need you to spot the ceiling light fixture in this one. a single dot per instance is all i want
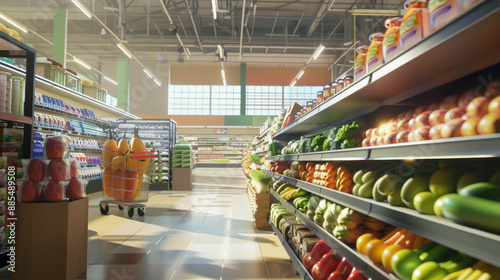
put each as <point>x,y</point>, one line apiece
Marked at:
<point>110,80</point>
<point>223,76</point>
<point>82,63</point>
<point>375,12</point>
<point>124,50</point>
<point>318,51</point>
<point>157,82</point>
<point>214,8</point>
<point>301,72</point>
<point>82,8</point>
<point>293,83</point>
<point>148,73</point>
<point>13,22</point>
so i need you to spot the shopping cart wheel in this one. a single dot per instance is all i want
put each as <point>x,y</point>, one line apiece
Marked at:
<point>104,209</point>
<point>120,207</point>
<point>140,211</point>
<point>130,212</point>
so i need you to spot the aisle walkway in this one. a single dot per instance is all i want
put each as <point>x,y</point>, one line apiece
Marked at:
<point>203,234</point>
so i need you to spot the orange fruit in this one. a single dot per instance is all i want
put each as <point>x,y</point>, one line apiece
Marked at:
<point>363,240</point>
<point>374,249</point>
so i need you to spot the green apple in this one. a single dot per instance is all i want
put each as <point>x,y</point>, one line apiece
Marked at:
<point>424,202</point>
<point>437,207</point>
<point>445,180</point>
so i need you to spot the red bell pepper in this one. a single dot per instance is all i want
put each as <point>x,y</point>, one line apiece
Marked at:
<point>345,267</point>
<point>336,275</point>
<point>325,266</point>
<point>311,258</point>
<point>356,275</point>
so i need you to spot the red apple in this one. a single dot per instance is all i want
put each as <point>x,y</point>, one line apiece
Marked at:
<point>437,117</point>
<point>400,116</point>
<point>392,127</point>
<point>375,133</point>
<point>478,107</point>
<point>58,170</point>
<point>452,128</point>
<point>420,134</point>
<point>450,102</point>
<point>409,114</point>
<point>454,113</point>
<point>373,141</point>
<point>369,133</point>
<point>434,106</point>
<point>29,191</point>
<point>412,124</point>
<point>382,130</point>
<point>36,170</point>
<point>54,191</point>
<point>74,190</point>
<point>435,132</point>
<point>494,106</point>
<point>402,137</point>
<point>469,127</point>
<point>419,109</point>
<point>422,119</point>
<point>403,124</point>
<point>55,147</point>
<point>366,142</point>
<point>380,140</point>
<point>490,123</point>
<point>493,89</point>
<point>467,97</point>
<point>74,169</point>
<point>390,139</point>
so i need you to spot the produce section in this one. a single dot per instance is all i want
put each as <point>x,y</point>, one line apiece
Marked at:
<point>212,151</point>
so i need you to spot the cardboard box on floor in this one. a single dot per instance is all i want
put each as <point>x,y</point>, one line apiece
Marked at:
<point>51,240</point>
<point>182,179</point>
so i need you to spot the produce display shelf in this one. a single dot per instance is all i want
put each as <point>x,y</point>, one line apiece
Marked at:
<point>478,146</point>
<point>97,122</point>
<point>260,154</point>
<point>94,179</point>
<point>434,61</point>
<point>301,270</point>
<point>217,164</point>
<point>479,244</point>
<point>359,260</point>
<point>88,165</point>
<point>56,88</point>
<point>228,152</point>
<point>86,150</point>
<point>259,142</point>
<point>264,133</point>
<point>45,129</point>
<point>15,118</point>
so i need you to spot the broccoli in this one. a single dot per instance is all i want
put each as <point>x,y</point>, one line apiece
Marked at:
<point>304,145</point>
<point>349,135</point>
<point>317,142</point>
<point>349,143</point>
<point>332,133</point>
<point>274,148</point>
<point>326,145</point>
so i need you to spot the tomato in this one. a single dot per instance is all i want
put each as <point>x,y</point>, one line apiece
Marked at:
<point>57,169</point>
<point>54,191</point>
<point>387,255</point>
<point>356,275</point>
<point>74,190</point>
<point>55,148</point>
<point>74,169</point>
<point>36,170</point>
<point>363,241</point>
<point>29,191</point>
<point>374,250</point>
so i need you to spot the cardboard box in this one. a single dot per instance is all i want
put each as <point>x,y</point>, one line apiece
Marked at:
<point>51,240</point>
<point>95,92</point>
<point>182,179</point>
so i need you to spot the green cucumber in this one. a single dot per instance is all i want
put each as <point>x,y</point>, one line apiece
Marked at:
<point>485,190</point>
<point>472,211</point>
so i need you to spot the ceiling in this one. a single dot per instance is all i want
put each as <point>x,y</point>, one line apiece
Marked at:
<point>275,32</point>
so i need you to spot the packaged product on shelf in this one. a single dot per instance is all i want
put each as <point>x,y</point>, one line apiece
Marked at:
<point>28,191</point>
<point>340,85</point>
<point>390,44</point>
<point>309,105</point>
<point>75,189</point>
<point>466,4</point>
<point>441,12</point>
<point>54,191</point>
<point>11,135</point>
<point>415,24</point>
<point>5,80</point>
<point>36,169</point>
<point>327,92</point>
<point>374,56</point>
<point>56,147</point>
<point>59,169</point>
<point>18,93</point>
<point>348,80</point>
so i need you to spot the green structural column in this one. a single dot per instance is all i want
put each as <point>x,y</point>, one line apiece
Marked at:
<point>59,38</point>
<point>243,83</point>
<point>122,74</point>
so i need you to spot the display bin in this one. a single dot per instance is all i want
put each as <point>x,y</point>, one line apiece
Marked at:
<point>51,240</point>
<point>72,81</point>
<point>51,72</point>
<point>95,92</point>
<point>182,179</point>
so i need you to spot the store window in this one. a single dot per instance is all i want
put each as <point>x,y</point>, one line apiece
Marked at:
<point>225,100</point>
<point>299,94</point>
<point>188,100</point>
<point>264,100</point>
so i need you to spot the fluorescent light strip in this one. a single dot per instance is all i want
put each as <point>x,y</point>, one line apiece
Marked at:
<point>301,72</point>
<point>318,51</point>
<point>82,8</point>
<point>7,19</point>
<point>223,74</point>
<point>125,51</point>
<point>214,8</point>
<point>157,82</point>
<point>82,63</point>
<point>293,83</point>
<point>148,73</point>
<point>110,80</point>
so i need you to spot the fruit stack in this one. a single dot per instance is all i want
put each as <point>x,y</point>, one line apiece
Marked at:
<point>53,178</point>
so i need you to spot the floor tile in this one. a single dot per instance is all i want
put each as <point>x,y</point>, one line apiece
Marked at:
<point>239,257</point>
<point>243,247</point>
<point>244,270</point>
<point>193,257</point>
<point>163,257</point>
<point>152,271</point>
<point>206,247</point>
<point>281,270</point>
<point>122,258</point>
<point>106,272</point>
<point>196,271</point>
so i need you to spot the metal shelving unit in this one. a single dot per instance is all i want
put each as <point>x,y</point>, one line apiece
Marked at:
<point>482,245</point>
<point>301,270</point>
<point>445,55</point>
<point>357,259</point>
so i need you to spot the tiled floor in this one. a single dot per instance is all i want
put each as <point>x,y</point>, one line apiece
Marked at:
<point>203,234</point>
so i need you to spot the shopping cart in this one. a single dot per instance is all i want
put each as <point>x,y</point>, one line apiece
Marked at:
<point>126,182</point>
